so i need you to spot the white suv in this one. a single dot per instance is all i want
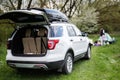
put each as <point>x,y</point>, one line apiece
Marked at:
<point>38,44</point>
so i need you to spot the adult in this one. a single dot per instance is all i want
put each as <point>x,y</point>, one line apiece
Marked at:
<point>102,32</point>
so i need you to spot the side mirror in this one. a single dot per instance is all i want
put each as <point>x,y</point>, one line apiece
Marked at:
<point>84,34</point>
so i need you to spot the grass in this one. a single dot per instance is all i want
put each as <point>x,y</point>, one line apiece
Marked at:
<point>104,65</point>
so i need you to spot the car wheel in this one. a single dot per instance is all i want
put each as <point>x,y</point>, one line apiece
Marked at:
<point>68,66</point>
<point>88,54</point>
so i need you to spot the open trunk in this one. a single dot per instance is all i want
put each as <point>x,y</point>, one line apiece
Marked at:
<point>30,40</point>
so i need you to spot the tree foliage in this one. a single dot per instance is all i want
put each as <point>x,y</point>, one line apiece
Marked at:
<point>88,19</point>
<point>109,18</point>
<point>5,30</point>
<point>89,15</point>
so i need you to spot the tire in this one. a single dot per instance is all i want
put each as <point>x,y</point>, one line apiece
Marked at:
<point>88,54</point>
<point>68,65</point>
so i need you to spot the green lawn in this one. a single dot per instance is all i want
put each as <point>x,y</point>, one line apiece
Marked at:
<point>104,65</point>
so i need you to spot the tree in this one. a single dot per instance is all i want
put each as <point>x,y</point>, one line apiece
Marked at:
<point>109,14</point>
<point>15,4</point>
<point>85,11</point>
<point>29,4</point>
<point>87,21</point>
<point>70,7</point>
<point>19,4</point>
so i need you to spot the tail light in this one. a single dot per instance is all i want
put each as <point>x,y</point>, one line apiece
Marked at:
<point>52,44</point>
<point>8,44</point>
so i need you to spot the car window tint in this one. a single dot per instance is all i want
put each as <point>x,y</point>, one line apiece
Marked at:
<point>21,17</point>
<point>56,31</point>
<point>71,31</point>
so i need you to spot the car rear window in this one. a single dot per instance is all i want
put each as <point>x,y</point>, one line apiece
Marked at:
<point>20,17</point>
<point>56,31</point>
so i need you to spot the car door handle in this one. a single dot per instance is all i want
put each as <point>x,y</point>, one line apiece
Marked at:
<point>80,39</point>
<point>71,40</point>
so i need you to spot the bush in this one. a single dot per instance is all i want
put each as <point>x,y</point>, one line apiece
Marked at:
<point>4,34</point>
<point>87,21</point>
<point>5,31</point>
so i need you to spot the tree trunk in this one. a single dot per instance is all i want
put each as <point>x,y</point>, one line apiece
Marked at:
<point>12,4</point>
<point>29,4</point>
<point>71,8</point>
<point>63,7</point>
<point>19,4</point>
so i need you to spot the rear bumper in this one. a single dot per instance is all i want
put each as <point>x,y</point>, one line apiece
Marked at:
<point>36,65</point>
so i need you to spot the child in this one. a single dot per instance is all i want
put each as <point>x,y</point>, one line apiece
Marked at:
<point>97,43</point>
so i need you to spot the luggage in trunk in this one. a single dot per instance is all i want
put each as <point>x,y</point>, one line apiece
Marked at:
<point>33,42</point>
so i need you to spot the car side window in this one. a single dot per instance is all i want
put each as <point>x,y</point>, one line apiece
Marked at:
<point>71,31</point>
<point>78,32</point>
<point>56,31</point>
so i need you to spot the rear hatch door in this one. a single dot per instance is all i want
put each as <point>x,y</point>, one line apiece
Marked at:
<point>21,17</point>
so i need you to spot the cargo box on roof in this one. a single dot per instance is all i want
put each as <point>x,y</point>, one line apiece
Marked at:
<point>54,15</point>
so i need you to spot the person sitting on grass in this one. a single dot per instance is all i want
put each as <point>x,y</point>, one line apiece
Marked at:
<point>104,39</point>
